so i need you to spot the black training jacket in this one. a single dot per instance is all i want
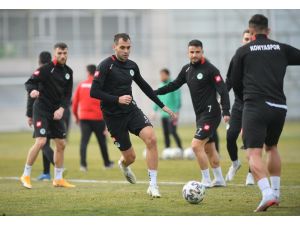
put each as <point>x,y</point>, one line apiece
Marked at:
<point>55,83</point>
<point>203,80</point>
<point>259,68</point>
<point>112,79</point>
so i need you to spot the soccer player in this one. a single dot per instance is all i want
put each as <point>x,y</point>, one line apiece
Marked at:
<point>257,76</point>
<point>235,125</point>
<point>112,84</point>
<point>89,116</point>
<point>204,80</point>
<point>51,85</point>
<point>173,100</point>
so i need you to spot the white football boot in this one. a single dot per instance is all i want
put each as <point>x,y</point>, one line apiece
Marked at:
<point>129,175</point>
<point>153,191</point>
<point>232,171</point>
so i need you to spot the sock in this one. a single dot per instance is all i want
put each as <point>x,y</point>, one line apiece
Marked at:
<point>27,170</point>
<point>218,173</point>
<point>264,187</point>
<point>205,175</point>
<point>275,185</point>
<point>152,177</point>
<point>235,163</point>
<point>58,173</point>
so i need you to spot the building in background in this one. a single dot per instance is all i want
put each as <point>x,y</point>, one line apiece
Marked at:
<point>159,38</point>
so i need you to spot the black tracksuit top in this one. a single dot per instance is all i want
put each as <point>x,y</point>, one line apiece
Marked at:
<point>55,83</point>
<point>259,67</point>
<point>203,80</point>
<point>113,78</point>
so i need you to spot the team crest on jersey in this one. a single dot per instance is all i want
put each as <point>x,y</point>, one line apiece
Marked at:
<point>199,76</point>
<point>42,131</point>
<point>218,78</point>
<point>38,123</point>
<point>36,73</point>
<point>131,72</point>
<point>117,144</point>
<point>67,76</point>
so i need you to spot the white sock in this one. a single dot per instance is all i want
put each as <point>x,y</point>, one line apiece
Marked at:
<point>27,170</point>
<point>205,176</point>
<point>58,173</point>
<point>218,173</point>
<point>235,163</point>
<point>275,185</point>
<point>264,187</point>
<point>152,177</point>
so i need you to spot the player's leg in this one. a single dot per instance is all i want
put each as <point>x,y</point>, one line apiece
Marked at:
<point>255,122</point>
<point>232,134</point>
<point>47,160</point>
<point>99,129</point>
<point>86,131</point>
<point>214,160</point>
<point>173,130</point>
<point>166,133</point>
<point>273,158</point>
<point>127,158</point>
<point>58,132</point>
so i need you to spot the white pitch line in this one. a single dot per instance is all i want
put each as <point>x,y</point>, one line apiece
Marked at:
<point>171,183</point>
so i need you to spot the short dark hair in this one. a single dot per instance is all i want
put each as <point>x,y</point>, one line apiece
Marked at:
<point>259,22</point>
<point>45,57</point>
<point>247,31</point>
<point>195,43</point>
<point>91,69</point>
<point>60,45</point>
<point>119,36</point>
<point>166,71</point>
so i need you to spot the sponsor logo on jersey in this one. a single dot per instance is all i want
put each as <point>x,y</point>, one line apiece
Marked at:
<point>38,123</point>
<point>131,72</point>
<point>199,76</point>
<point>206,127</point>
<point>67,76</point>
<point>269,47</point>
<point>218,78</point>
<point>42,131</point>
<point>97,74</point>
<point>36,73</point>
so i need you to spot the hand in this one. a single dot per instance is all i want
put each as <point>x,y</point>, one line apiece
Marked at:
<point>226,119</point>
<point>175,121</point>
<point>58,114</point>
<point>34,94</point>
<point>106,133</point>
<point>29,121</point>
<point>170,112</point>
<point>125,99</point>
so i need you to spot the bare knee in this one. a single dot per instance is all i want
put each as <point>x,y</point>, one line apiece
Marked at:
<point>60,144</point>
<point>197,145</point>
<point>40,142</point>
<point>130,158</point>
<point>151,141</point>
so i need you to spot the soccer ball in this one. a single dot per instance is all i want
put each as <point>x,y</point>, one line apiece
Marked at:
<point>167,153</point>
<point>189,154</point>
<point>193,192</point>
<point>176,153</point>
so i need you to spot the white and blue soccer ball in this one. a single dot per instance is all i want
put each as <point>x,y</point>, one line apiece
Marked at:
<point>177,153</point>
<point>193,192</point>
<point>167,153</point>
<point>189,154</point>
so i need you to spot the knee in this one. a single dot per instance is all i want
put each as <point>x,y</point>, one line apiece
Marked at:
<point>40,142</point>
<point>151,141</point>
<point>60,145</point>
<point>197,146</point>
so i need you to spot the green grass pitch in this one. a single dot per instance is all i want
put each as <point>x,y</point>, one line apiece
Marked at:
<point>117,198</point>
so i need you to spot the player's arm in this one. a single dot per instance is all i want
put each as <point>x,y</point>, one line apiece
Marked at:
<point>98,84</point>
<point>75,102</point>
<point>236,75</point>
<point>293,55</point>
<point>174,85</point>
<point>228,79</point>
<point>32,84</point>
<point>29,108</point>
<point>222,90</point>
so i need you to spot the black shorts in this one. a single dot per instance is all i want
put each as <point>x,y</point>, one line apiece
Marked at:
<point>120,126</point>
<point>45,126</point>
<point>207,124</point>
<point>262,124</point>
